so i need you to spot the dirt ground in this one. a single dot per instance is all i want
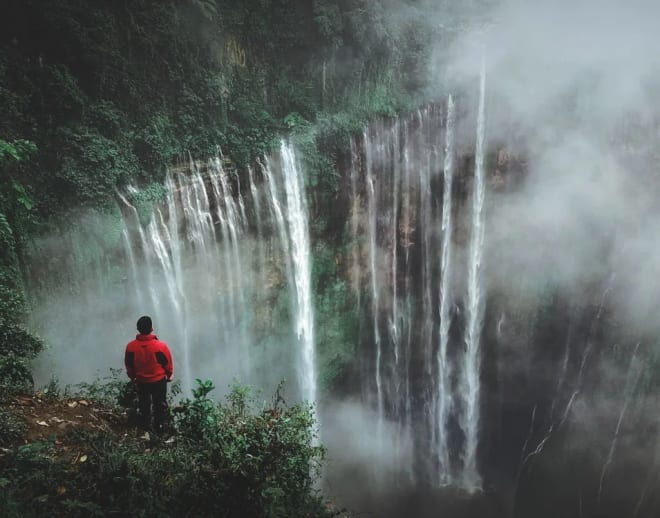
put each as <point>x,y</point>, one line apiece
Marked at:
<point>58,420</point>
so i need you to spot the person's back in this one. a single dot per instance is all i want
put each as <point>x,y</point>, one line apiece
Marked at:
<point>148,359</point>
<point>149,364</point>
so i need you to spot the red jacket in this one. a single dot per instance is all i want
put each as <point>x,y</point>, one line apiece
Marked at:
<point>148,360</point>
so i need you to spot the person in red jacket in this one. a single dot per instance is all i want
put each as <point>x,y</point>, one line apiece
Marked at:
<point>148,363</point>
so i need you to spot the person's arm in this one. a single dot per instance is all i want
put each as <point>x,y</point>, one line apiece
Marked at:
<point>171,363</point>
<point>164,357</point>
<point>129,362</point>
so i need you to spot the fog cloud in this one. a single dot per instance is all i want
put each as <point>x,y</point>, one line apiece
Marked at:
<point>576,84</point>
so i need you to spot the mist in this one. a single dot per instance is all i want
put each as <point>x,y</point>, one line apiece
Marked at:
<point>572,92</point>
<point>571,274</point>
<point>572,254</point>
<point>572,100</point>
<point>224,318</point>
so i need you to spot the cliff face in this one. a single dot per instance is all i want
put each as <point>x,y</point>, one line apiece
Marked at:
<point>565,372</point>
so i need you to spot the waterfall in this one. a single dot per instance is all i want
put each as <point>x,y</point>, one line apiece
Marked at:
<point>159,255</point>
<point>132,265</point>
<point>424,152</point>
<point>407,252</point>
<point>156,305</point>
<point>230,218</point>
<point>372,212</point>
<point>298,230</point>
<point>396,325</point>
<point>444,396</point>
<point>470,384</point>
<point>405,225</point>
<point>200,289</point>
<point>415,377</point>
<point>289,211</point>
<point>394,319</point>
<point>256,200</point>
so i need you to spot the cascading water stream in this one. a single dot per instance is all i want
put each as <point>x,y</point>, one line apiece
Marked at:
<point>424,152</point>
<point>470,383</point>
<point>256,201</point>
<point>371,210</point>
<point>290,214</point>
<point>232,226</point>
<point>175,251</point>
<point>162,258</point>
<point>132,266</point>
<point>408,373</point>
<point>225,245</point>
<point>406,224</point>
<point>444,396</point>
<point>142,240</point>
<point>394,322</point>
<point>298,230</point>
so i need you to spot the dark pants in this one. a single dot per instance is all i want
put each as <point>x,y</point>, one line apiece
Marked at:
<point>155,393</point>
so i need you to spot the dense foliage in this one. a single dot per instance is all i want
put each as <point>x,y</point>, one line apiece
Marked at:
<point>231,459</point>
<point>99,94</point>
<point>112,92</point>
<point>17,345</point>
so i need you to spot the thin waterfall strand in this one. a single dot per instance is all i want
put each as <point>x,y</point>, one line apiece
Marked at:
<point>471,389</point>
<point>371,203</point>
<point>444,397</point>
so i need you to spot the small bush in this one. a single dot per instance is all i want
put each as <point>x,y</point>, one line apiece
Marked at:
<point>17,349</point>
<point>237,458</point>
<point>12,427</point>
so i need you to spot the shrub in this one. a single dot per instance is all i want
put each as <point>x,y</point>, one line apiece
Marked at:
<point>236,458</point>
<point>12,427</point>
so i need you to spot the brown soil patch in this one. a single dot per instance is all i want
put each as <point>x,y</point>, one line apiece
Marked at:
<point>58,420</point>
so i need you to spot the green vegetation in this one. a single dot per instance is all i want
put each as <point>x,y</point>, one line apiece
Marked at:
<point>113,92</point>
<point>237,458</point>
<point>337,320</point>
<point>17,346</point>
<point>97,95</point>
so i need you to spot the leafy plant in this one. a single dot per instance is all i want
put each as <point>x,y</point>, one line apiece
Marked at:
<point>252,460</point>
<point>12,427</point>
